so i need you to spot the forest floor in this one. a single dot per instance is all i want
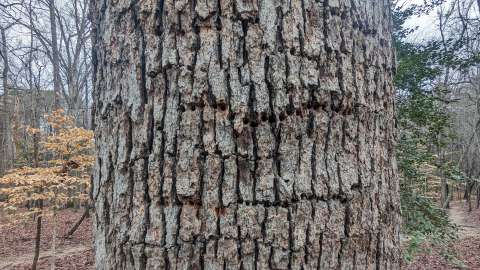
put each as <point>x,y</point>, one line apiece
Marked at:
<point>463,253</point>
<point>17,243</point>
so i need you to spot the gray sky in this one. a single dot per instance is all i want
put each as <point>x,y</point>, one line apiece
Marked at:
<point>427,27</point>
<point>427,24</point>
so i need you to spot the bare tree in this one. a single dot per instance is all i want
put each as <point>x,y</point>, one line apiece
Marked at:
<point>65,40</point>
<point>6,140</point>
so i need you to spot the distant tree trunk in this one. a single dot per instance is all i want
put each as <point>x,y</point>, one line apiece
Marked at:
<point>54,241</point>
<point>35,124</point>
<point>244,135</point>
<point>55,58</point>
<point>38,234</point>
<point>6,140</point>
<point>478,196</point>
<point>446,195</point>
<point>444,188</point>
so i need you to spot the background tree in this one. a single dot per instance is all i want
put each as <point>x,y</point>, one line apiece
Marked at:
<point>6,137</point>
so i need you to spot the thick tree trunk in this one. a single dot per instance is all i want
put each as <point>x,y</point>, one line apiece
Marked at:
<point>244,135</point>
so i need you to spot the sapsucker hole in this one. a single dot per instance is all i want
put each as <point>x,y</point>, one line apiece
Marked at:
<point>118,100</point>
<point>264,116</point>
<point>290,88</point>
<point>222,106</point>
<point>299,112</point>
<point>336,106</point>
<point>290,110</point>
<point>272,119</point>
<point>316,105</point>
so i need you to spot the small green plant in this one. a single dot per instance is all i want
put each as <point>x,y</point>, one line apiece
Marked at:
<point>413,247</point>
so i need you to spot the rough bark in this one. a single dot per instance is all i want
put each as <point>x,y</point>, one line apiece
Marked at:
<point>244,135</point>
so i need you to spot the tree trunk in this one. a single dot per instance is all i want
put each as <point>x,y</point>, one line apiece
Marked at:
<point>7,145</point>
<point>55,58</point>
<point>38,234</point>
<point>244,135</point>
<point>54,242</point>
<point>478,196</point>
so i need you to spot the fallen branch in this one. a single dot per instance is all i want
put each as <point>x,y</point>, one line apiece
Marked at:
<point>78,223</point>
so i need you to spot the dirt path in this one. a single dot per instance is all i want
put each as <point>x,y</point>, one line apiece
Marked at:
<point>26,259</point>
<point>459,254</point>
<point>468,223</point>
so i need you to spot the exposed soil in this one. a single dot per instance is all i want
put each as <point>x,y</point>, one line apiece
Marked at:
<point>463,253</point>
<point>17,243</point>
<point>468,223</point>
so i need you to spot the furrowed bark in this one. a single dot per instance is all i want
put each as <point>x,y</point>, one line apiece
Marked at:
<point>238,134</point>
